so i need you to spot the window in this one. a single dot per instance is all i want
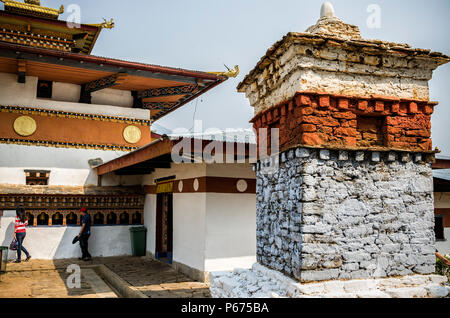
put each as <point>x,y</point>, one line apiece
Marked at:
<point>439,227</point>
<point>37,177</point>
<point>44,89</point>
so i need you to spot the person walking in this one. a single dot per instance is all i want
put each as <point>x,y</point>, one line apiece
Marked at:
<point>20,232</point>
<point>84,235</point>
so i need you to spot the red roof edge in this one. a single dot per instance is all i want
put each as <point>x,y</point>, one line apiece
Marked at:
<point>112,62</point>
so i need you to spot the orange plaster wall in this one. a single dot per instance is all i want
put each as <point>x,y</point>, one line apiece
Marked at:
<point>73,130</point>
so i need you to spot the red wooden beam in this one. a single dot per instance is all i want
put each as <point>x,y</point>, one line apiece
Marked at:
<point>441,164</point>
<point>153,150</point>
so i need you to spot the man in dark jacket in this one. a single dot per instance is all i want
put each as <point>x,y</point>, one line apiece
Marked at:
<point>84,235</point>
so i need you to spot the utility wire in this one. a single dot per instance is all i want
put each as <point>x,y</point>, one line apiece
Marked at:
<point>193,117</point>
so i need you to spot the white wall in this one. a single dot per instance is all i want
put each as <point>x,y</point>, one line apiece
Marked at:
<point>230,231</point>
<point>243,170</point>
<point>180,171</point>
<point>442,201</point>
<point>189,229</point>
<point>66,92</point>
<point>56,242</point>
<point>67,166</point>
<point>444,246</point>
<point>150,221</point>
<point>211,231</point>
<point>109,96</point>
<point>17,94</point>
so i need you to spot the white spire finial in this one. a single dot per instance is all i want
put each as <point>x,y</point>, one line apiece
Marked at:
<point>327,10</point>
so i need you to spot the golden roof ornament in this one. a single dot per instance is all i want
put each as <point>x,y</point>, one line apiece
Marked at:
<point>230,73</point>
<point>32,8</point>
<point>106,24</point>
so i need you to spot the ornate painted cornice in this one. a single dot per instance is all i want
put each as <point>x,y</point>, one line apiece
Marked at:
<point>56,144</point>
<point>55,113</point>
<point>32,8</point>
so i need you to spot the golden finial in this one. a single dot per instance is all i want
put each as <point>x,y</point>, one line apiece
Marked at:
<point>107,24</point>
<point>230,73</point>
<point>61,9</point>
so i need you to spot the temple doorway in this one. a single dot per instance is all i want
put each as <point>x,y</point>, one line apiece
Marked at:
<point>164,227</point>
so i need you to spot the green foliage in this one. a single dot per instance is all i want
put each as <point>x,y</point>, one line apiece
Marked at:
<point>442,268</point>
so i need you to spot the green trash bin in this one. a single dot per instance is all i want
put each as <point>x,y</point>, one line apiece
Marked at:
<point>3,259</point>
<point>138,240</point>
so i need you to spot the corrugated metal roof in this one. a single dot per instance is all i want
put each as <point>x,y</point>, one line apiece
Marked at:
<point>442,157</point>
<point>229,135</point>
<point>443,174</point>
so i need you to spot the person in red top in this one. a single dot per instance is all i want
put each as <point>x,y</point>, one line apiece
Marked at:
<point>20,232</point>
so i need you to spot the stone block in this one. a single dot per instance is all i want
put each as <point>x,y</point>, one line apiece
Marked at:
<point>313,288</point>
<point>302,153</point>
<point>324,154</point>
<point>356,286</point>
<point>436,291</point>
<point>334,286</point>
<point>228,283</point>
<point>319,275</point>
<point>407,292</point>
<point>376,157</point>
<point>405,157</point>
<point>392,156</point>
<point>343,155</point>
<point>359,156</point>
<point>438,279</point>
<point>373,294</point>
<point>424,269</point>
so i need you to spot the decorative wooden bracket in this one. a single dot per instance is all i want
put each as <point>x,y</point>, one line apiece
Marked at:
<point>102,83</point>
<point>167,91</point>
<point>158,105</point>
<point>21,71</point>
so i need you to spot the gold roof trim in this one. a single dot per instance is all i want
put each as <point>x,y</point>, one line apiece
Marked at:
<point>230,73</point>
<point>105,25</point>
<point>32,8</point>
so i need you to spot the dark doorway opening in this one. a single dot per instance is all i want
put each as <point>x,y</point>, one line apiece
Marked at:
<point>439,227</point>
<point>164,227</point>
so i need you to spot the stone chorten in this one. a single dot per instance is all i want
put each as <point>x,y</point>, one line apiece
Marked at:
<point>352,196</point>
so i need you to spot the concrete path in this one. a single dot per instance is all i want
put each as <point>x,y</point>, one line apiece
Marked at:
<point>40,278</point>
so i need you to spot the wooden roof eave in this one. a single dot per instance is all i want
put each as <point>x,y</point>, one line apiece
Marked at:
<point>162,147</point>
<point>83,61</point>
<point>155,149</point>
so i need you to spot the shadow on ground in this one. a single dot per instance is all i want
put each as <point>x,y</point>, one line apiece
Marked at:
<point>40,278</point>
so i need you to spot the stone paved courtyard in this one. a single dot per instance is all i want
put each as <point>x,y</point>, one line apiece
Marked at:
<point>47,279</point>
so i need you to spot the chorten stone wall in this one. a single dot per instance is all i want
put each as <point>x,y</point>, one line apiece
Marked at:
<point>350,194</point>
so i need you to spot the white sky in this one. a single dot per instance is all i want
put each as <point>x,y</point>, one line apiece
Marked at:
<point>205,34</point>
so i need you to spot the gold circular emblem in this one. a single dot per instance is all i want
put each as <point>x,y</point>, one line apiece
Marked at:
<point>132,134</point>
<point>25,126</point>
